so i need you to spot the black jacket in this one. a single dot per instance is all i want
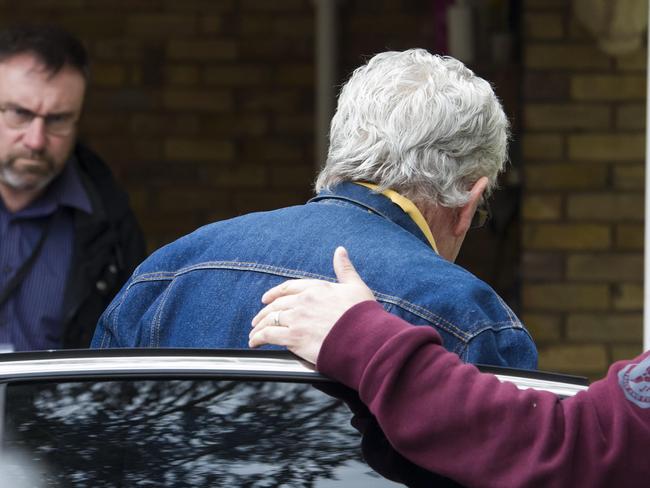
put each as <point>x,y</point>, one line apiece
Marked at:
<point>108,245</point>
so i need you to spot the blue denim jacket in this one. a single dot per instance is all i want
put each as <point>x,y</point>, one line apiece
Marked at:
<point>203,289</point>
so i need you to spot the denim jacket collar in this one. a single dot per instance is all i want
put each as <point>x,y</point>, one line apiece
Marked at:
<point>373,202</point>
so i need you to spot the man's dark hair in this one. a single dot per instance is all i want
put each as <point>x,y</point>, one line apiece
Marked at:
<point>51,45</point>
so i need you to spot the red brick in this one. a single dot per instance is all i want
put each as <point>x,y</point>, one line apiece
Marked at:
<point>607,147</point>
<point>606,206</point>
<point>119,49</point>
<point>301,176</point>
<point>605,327</point>
<point>628,296</point>
<point>246,202</point>
<point>605,267</point>
<point>202,49</point>
<point>621,352</point>
<point>198,150</point>
<point>151,124</point>
<point>629,176</point>
<point>380,24</point>
<point>200,6</point>
<point>543,327</point>
<point>99,122</point>
<point>540,266</point>
<point>631,116</point>
<point>555,5</point>
<point>634,61</point>
<point>565,176</point>
<point>564,116</point>
<point>211,24</point>
<point>186,200</point>
<point>236,176</point>
<point>574,359</point>
<point>630,236</point>
<point>54,4</point>
<point>203,101</point>
<point>115,5</point>
<point>112,148</point>
<point>566,297</point>
<point>294,124</point>
<point>544,85</point>
<point>564,56</point>
<point>93,25</point>
<point>181,74</point>
<point>578,31</point>
<point>148,150</point>
<point>541,206</point>
<point>272,150</point>
<point>295,26</point>
<point>614,87</point>
<point>266,6</point>
<point>179,173</point>
<point>235,125</point>
<point>542,146</point>
<point>108,74</point>
<point>125,99</point>
<point>275,49</point>
<point>295,75</point>
<point>539,25</point>
<point>237,75</point>
<point>566,237</point>
<point>280,101</point>
<point>159,25</point>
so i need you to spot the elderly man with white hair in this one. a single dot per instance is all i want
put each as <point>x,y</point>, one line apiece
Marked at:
<point>416,145</point>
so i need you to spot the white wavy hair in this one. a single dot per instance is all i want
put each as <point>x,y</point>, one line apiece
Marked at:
<point>420,124</point>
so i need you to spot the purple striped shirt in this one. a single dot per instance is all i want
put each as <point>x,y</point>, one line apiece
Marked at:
<point>31,319</point>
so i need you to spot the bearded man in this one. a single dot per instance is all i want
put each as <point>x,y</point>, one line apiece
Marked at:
<point>69,239</point>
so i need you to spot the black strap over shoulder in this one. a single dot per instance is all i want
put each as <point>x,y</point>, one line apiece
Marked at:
<point>20,275</point>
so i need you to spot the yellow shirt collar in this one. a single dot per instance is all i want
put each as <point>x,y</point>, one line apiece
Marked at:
<point>409,207</point>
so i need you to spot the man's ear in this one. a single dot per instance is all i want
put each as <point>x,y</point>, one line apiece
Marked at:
<point>466,212</point>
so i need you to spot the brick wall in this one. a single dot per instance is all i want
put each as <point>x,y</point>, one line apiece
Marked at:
<point>204,109</point>
<point>582,213</point>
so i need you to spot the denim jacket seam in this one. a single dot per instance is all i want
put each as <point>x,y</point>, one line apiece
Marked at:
<point>117,303</point>
<point>347,203</point>
<point>232,265</point>
<point>352,202</point>
<point>152,276</point>
<point>106,341</point>
<point>496,327</point>
<point>513,318</point>
<point>463,336</point>
<point>112,311</point>
<point>154,333</point>
<point>461,350</point>
<point>103,341</point>
<point>512,329</point>
<point>427,315</point>
<point>293,273</point>
<point>447,326</point>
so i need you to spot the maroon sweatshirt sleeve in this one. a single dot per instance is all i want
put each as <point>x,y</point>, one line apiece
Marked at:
<point>453,420</point>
